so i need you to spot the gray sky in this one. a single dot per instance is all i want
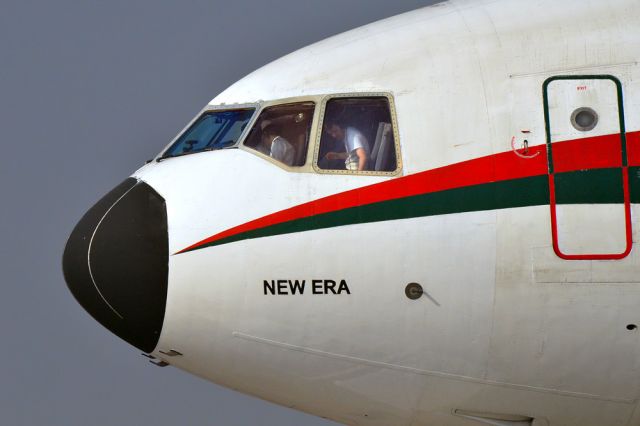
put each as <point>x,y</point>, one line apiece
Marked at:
<point>88,91</point>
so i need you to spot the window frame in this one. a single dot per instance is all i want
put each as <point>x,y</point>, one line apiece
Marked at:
<point>315,136</point>
<point>306,167</point>
<point>212,108</point>
<point>394,128</point>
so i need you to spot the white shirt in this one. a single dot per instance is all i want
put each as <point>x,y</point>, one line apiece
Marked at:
<point>282,151</point>
<point>353,140</point>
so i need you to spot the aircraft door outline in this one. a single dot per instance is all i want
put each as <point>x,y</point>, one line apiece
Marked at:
<point>588,167</point>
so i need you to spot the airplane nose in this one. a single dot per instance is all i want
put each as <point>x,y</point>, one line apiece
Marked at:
<point>116,263</point>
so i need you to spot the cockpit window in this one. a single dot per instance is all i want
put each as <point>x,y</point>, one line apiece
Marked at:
<point>212,130</point>
<point>282,133</point>
<point>357,135</point>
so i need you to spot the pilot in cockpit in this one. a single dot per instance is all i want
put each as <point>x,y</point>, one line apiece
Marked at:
<point>276,146</point>
<point>356,146</point>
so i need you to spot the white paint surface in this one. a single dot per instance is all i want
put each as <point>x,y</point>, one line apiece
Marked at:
<point>509,328</point>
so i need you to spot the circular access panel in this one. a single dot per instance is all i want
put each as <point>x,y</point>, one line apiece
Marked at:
<point>584,119</point>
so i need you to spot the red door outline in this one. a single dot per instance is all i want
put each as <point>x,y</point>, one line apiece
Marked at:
<point>623,165</point>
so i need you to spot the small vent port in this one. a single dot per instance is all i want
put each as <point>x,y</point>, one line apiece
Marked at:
<point>499,419</point>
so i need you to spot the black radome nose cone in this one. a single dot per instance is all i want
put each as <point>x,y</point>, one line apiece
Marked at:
<point>116,263</point>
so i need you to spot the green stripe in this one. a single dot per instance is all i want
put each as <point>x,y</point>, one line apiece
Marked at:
<point>634,184</point>
<point>596,186</point>
<point>513,193</point>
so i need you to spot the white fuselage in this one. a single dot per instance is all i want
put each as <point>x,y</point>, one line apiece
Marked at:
<point>506,326</point>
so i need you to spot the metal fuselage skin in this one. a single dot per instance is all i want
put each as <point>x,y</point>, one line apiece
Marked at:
<point>522,315</point>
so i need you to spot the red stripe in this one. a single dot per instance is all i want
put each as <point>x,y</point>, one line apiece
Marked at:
<point>492,168</point>
<point>633,149</point>
<point>588,153</point>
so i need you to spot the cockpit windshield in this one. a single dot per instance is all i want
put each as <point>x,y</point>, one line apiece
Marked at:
<point>282,132</point>
<point>212,130</point>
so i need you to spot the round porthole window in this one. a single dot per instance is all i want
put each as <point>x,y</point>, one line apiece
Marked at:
<point>584,119</point>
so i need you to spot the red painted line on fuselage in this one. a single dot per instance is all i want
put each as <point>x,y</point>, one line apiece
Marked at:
<point>593,153</point>
<point>633,149</point>
<point>568,156</point>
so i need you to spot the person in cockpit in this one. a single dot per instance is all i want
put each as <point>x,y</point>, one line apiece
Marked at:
<point>276,146</point>
<point>356,146</point>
